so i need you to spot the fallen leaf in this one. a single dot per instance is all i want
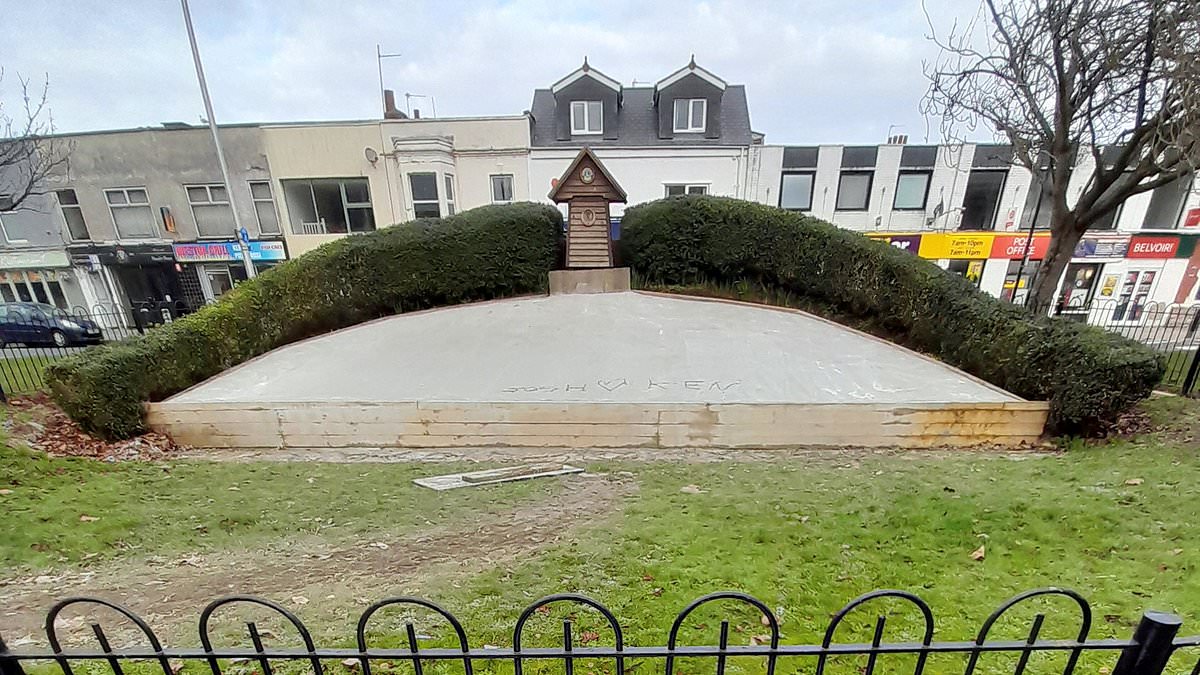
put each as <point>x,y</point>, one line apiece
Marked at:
<point>657,592</point>
<point>1176,551</point>
<point>760,640</point>
<point>544,609</point>
<point>299,599</point>
<point>978,553</point>
<point>588,636</point>
<point>5,491</point>
<point>647,577</point>
<point>88,519</point>
<point>351,664</point>
<point>379,545</point>
<point>764,620</point>
<point>1134,481</point>
<point>176,667</point>
<point>691,489</point>
<point>235,488</point>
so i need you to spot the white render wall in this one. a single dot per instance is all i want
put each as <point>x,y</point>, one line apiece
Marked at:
<point>469,149</point>
<point>644,172</point>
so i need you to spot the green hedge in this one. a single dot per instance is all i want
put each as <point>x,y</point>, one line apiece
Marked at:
<point>1087,374</point>
<point>489,252</point>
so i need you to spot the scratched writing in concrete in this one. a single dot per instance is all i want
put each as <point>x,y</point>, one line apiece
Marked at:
<point>626,386</point>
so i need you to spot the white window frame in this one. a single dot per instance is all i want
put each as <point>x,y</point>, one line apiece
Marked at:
<point>511,187</point>
<point>687,188</point>
<point>211,201</point>
<point>448,181</point>
<point>155,234</point>
<point>265,200</point>
<point>436,200</point>
<point>691,103</point>
<point>62,209</point>
<point>583,129</point>
<point>4,228</point>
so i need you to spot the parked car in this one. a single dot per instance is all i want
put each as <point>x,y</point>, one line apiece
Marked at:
<point>35,323</point>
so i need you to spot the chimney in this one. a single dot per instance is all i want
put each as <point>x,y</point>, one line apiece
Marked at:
<point>416,114</point>
<point>389,106</point>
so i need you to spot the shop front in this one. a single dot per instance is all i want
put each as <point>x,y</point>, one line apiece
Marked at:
<point>1090,281</point>
<point>1008,251</point>
<point>38,276</point>
<point>217,265</point>
<point>961,253</point>
<point>143,278</point>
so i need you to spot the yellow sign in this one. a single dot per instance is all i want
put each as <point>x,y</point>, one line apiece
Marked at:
<point>956,245</point>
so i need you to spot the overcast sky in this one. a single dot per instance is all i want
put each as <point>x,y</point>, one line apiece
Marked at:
<point>816,71</point>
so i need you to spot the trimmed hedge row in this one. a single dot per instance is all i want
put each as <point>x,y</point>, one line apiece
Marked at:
<point>1087,374</point>
<point>488,252</point>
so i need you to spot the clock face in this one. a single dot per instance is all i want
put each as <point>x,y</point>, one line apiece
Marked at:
<point>587,175</point>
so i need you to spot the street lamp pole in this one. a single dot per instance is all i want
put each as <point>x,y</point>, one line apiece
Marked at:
<point>212,126</point>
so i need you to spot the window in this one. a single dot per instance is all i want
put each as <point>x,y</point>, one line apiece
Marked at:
<point>587,117</point>
<point>449,180</point>
<point>1015,291</point>
<point>211,209</point>
<point>1166,204</point>
<point>971,270</point>
<point>329,205</point>
<point>6,202</point>
<point>31,286</point>
<point>131,213</point>
<point>674,189</point>
<point>424,195</point>
<point>690,114</point>
<point>854,190</point>
<point>502,188</point>
<point>796,191</point>
<point>264,207</point>
<point>1039,206</point>
<point>982,199</point>
<point>72,213</point>
<point>912,188</point>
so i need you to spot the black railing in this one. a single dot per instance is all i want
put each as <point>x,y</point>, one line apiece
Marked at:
<point>1147,652</point>
<point>34,335</point>
<point>1169,328</point>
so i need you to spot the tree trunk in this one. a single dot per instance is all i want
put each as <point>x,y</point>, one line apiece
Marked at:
<point>1064,236</point>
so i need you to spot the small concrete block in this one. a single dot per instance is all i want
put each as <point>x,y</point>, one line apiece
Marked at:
<point>602,280</point>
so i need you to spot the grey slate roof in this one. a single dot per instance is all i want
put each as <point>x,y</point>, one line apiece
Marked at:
<point>639,123</point>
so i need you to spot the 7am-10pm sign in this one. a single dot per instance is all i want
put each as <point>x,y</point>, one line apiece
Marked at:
<point>956,245</point>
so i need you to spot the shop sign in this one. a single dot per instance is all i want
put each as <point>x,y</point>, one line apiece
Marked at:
<point>1108,286</point>
<point>904,242</point>
<point>228,251</point>
<point>1102,246</point>
<point>136,254</point>
<point>1013,246</point>
<point>956,245</point>
<point>1192,219</point>
<point>1153,247</point>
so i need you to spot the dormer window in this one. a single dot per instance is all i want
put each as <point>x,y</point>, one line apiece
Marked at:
<point>690,114</point>
<point>587,117</point>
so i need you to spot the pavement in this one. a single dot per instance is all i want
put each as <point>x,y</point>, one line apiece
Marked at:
<point>611,347</point>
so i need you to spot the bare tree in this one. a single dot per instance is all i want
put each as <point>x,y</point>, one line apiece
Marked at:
<point>30,155</point>
<point>1061,79</point>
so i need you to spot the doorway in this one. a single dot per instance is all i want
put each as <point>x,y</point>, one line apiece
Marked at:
<point>220,281</point>
<point>1079,285</point>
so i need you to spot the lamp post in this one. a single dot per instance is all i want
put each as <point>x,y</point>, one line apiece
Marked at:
<point>212,126</point>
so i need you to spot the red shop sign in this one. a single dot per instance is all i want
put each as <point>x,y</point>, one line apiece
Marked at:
<point>1193,218</point>
<point>1013,247</point>
<point>1152,247</point>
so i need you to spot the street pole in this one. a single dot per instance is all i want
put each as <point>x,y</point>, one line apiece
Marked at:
<point>212,126</point>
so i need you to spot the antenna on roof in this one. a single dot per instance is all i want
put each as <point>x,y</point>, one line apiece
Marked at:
<point>585,63</point>
<point>692,63</point>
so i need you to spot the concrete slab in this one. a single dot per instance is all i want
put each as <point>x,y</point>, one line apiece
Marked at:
<point>597,348</point>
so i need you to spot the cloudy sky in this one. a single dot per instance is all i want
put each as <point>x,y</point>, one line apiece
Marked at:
<point>837,71</point>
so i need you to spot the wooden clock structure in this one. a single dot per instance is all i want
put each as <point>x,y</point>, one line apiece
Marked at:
<point>588,188</point>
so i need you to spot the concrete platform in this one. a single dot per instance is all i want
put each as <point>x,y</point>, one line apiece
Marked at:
<point>596,370</point>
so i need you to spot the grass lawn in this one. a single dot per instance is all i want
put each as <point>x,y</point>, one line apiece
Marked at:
<point>805,533</point>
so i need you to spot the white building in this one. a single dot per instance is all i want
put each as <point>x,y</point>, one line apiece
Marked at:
<point>688,134</point>
<point>338,178</point>
<point>969,208</point>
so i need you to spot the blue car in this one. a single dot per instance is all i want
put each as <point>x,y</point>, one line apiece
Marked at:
<point>38,324</point>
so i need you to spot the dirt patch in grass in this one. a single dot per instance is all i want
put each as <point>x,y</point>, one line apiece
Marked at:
<point>327,583</point>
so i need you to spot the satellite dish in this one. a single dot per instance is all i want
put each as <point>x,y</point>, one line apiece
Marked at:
<point>371,155</point>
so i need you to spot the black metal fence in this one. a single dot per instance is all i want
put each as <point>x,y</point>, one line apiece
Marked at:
<point>1172,329</point>
<point>34,335</point>
<point>1154,645</point>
